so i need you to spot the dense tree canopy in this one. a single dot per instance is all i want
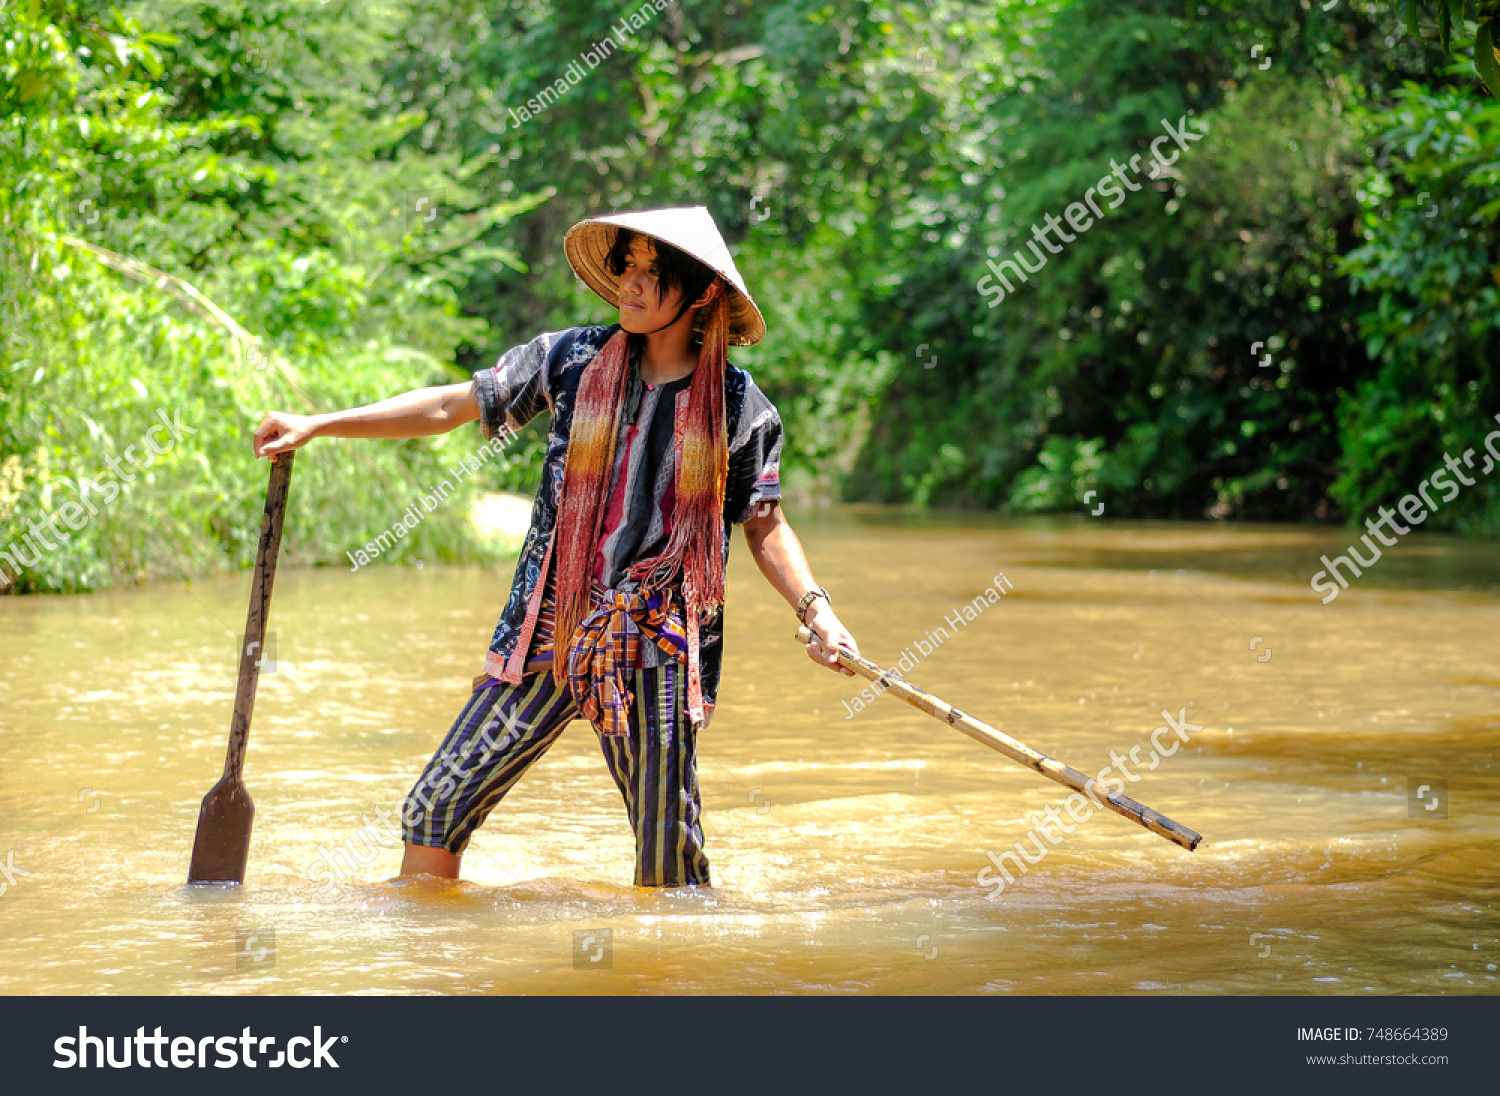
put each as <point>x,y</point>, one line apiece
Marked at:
<point>1291,311</point>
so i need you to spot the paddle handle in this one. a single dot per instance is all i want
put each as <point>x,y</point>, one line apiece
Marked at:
<point>1015,750</point>
<point>253,651</point>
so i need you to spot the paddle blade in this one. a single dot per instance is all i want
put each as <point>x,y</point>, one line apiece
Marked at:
<point>222,844</point>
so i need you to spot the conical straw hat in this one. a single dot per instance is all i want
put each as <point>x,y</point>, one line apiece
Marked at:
<point>690,229</point>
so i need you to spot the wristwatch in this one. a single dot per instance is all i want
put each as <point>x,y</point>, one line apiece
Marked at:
<point>807,599</point>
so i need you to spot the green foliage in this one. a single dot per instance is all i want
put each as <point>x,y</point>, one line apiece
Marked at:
<point>1129,363</point>
<point>1432,264</point>
<point>1135,341</point>
<point>1293,320</point>
<point>239,155</point>
<point>1447,16</point>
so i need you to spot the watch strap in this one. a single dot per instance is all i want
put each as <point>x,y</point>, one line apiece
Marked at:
<point>808,598</point>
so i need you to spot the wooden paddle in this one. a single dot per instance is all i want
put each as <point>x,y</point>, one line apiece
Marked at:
<point>1016,751</point>
<point>222,844</point>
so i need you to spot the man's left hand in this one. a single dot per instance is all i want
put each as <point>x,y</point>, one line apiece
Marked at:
<point>828,636</point>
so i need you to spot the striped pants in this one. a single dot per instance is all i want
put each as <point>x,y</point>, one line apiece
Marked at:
<point>504,728</point>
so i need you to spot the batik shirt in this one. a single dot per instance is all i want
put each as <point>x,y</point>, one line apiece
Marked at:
<point>544,375</point>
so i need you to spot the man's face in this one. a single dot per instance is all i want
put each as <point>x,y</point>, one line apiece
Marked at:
<point>639,311</point>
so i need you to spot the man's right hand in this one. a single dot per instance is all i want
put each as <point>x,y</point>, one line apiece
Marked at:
<point>416,414</point>
<point>281,433</point>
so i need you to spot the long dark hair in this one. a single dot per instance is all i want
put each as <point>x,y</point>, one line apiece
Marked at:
<point>674,269</point>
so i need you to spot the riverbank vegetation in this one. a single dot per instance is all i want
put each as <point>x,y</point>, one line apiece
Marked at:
<point>215,209</point>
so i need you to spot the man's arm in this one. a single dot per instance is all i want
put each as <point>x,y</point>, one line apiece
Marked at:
<point>778,553</point>
<point>413,414</point>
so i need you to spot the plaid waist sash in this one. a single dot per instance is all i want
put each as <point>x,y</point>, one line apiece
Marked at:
<point>605,650</point>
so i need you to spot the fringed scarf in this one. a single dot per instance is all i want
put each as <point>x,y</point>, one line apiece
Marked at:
<point>695,548</point>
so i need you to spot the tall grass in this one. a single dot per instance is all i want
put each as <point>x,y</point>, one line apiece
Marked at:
<point>298,229</point>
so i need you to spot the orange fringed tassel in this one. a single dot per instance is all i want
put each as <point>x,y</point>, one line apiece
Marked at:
<point>696,547</point>
<point>695,550</point>
<point>591,458</point>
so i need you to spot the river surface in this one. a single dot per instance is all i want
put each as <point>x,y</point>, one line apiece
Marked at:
<point>846,846</point>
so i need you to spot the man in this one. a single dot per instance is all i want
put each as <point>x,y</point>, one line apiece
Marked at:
<point>657,447</point>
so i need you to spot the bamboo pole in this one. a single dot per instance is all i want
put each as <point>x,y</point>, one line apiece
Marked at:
<point>1015,750</point>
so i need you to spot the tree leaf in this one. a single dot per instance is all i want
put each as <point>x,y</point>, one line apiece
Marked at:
<point>1485,59</point>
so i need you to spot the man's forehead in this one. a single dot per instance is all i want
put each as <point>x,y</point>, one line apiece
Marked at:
<point>642,248</point>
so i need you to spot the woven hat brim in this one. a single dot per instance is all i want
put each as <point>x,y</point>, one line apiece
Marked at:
<point>587,246</point>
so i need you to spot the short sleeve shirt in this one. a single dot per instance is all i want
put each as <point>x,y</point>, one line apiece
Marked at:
<point>532,378</point>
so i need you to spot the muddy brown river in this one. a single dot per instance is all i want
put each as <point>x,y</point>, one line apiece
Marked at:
<point>1339,760</point>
